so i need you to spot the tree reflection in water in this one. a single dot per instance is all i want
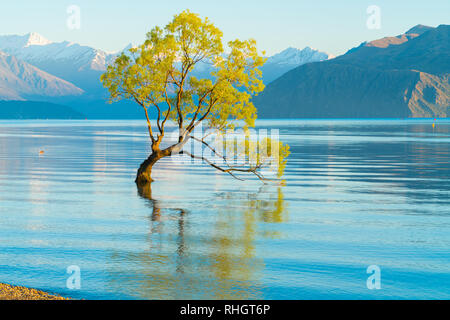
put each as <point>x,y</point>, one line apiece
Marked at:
<point>197,255</point>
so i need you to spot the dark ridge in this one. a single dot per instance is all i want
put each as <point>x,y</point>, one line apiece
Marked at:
<point>36,110</point>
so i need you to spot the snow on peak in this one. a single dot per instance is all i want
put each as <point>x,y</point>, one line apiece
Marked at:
<point>35,39</point>
<point>296,56</point>
<point>37,50</point>
<point>16,42</point>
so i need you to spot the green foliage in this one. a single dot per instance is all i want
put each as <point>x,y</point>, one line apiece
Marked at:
<point>158,74</point>
<point>263,152</point>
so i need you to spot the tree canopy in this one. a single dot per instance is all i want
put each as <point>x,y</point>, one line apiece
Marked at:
<point>158,75</point>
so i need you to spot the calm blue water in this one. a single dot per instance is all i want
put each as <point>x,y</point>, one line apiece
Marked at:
<point>357,193</point>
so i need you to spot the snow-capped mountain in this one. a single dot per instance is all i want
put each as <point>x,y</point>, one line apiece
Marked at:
<point>78,64</point>
<point>277,64</point>
<point>20,81</point>
<point>82,65</point>
<point>65,67</point>
<point>15,42</point>
<point>289,59</point>
<point>296,56</point>
<point>35,49</point>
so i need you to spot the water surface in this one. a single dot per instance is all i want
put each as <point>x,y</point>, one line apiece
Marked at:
<point>358,193</point>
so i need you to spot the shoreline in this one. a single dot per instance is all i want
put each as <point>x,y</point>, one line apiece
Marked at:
<point>11,292</point>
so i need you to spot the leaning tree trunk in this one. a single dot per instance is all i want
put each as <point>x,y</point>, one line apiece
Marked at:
<point>144,174</point>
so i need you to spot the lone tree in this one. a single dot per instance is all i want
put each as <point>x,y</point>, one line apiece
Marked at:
<point>159,74</point>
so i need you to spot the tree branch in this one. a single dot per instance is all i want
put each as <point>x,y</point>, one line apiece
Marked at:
<point>229,170</point>
<point>149,125</point>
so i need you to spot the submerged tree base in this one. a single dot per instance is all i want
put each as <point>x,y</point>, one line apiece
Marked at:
<point>143,179</point>
<point>144,174</point>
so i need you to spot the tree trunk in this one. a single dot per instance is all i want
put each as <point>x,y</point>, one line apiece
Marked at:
<point>144,174</point>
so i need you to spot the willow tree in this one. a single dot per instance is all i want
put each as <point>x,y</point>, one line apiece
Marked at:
<point>158,76</point>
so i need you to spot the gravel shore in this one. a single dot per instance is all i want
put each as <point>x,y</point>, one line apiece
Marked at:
<point>8,292</point>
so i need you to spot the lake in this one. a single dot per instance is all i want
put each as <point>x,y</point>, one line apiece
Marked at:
<point>357,194</point>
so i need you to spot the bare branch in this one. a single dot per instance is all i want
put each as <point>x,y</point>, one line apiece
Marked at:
<point>209,147</point>
<point>229,170</point>
<point>208,92</point>
<point>149,125</point>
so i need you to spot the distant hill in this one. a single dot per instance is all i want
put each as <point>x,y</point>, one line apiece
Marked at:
<point>36,110</point>
<point>21,81</point>
<point>403,76</point>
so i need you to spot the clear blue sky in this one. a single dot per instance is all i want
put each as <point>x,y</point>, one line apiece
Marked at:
<point>328,25</point>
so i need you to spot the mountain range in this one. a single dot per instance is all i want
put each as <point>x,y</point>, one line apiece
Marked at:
<point>72,62</point>
<point>402,76</point>
<point>68,73</point>
<point>399,76</point>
